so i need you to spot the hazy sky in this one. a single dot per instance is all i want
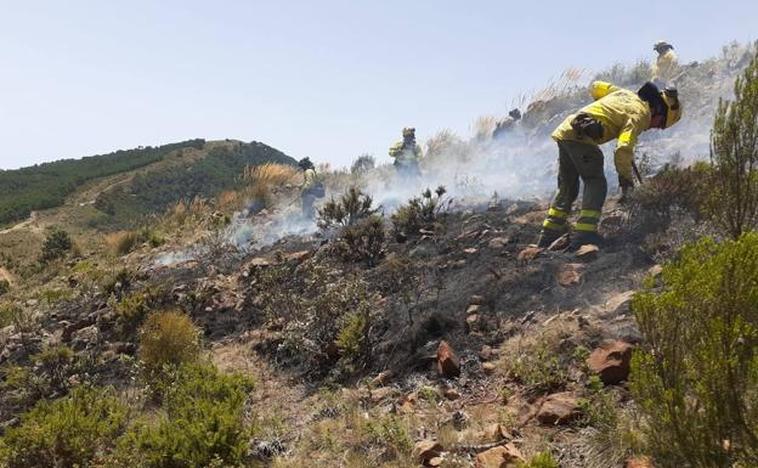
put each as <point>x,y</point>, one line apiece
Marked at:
<point>326,79</point>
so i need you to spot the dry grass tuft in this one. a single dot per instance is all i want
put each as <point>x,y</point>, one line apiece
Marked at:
<point>168,337</point>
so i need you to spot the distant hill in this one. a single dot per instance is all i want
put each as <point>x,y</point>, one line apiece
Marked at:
<point>144,180</point>
<point>154,190</point>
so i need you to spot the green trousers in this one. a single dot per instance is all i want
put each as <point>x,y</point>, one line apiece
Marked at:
<point>578,160</point>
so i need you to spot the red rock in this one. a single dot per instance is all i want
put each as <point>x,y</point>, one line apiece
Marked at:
<point>639,462</point>
<point>495,432</point>
<point>504,456</point>
<point>529,253</point>
<point>558,408</point>
<point>569,274</point>
<point>426,450</point>
<point>611,361</point>
<point>448,363</point>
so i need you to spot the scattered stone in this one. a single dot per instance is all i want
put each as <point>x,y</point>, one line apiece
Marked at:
<point>471,322</point>
<point>258,262</point>
<point>495,432</point>
<point>486,353</point>
<point>499,457</point>
<point>488,368</point>
<point>529,253</point>
<point>473,309</point>
<point>639,462</point>
<point>559,408</point>
<point>379,394</point>
<point>560,243</point>
<point>452,394</point>
<point>588,252</point>
<point>620,304</point>
<point>298,257</point>
<point>382,378</point>
<point>470,250</point>
<point>498,242</point>
<point>611,361</point>
<point>434,462</point>
<point>655,270</point>
<point>84,337</point>
<point>448,363</point>
<point>426,450</point>
<point>569,274</point>
<point>476,300</point>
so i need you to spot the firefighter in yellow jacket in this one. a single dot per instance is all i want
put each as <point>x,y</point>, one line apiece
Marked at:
<point>406,154</point>
<point>616,114</point>
<point>666,64</point>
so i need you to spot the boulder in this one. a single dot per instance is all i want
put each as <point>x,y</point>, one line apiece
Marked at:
<point>495,432</point>
<point>426,450</point>
<point>610,361</point>
<point>503,456</point>
<point>559,408</point>
<point>448,364</point>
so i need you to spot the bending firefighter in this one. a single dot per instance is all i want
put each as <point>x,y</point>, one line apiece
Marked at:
<point>311,189</point>
<point>406,154</point>
<point>616,114</point>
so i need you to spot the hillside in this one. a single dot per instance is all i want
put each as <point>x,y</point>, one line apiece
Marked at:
<point>127,185</point>
<point>405,326</point>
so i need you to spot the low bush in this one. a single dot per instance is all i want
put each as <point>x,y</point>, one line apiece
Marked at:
<point>5,286</point>
<point>73,431</point>
<point>168,338</point>
<point>123,242</point>
<point>202,424</point>
<point>392,434</point>
<point>696,376</point>
<point>57,244</point>
<point>539,365</point>
<point>540,460</point>
<point>419,213</point>
<point>363,241</point>
<point>351,207</point>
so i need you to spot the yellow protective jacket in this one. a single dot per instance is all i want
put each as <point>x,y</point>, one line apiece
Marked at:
<point>403,154</point>
<point>665,66</point>
<point>309,179</point>
<point>623,116</point>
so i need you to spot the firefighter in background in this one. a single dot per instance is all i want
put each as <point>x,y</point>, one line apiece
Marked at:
<point>666,64</point>
<point>616,114</point>
<point>406,154</point>
<point>312,188</point>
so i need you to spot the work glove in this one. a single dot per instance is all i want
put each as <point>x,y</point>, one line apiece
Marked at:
<point>627,187</point>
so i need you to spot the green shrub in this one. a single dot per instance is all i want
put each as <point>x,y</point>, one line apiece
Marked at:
<point>540,460</point>
<point>391,433</point>
<point>696,378</point>
<point>72,431</point>
<point>203,423</point>
<point>134,307</point>
<point>419,213</point>
<point>362,241</point>
<point>539,365</point>
<point>734,154</point>
<point>5,286</point>
<point>168,338</point>
<point>57,244</point>
<point>350,208</point>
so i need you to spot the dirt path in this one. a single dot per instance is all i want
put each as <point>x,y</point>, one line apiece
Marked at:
<point>30,223</point>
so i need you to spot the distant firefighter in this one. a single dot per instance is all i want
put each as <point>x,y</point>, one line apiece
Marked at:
<point>406,154</point>
<point>666,64</point>
<point>311,189</point>
<point>502,127</point>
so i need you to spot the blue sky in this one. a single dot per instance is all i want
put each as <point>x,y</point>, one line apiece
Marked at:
<point>328,79</point>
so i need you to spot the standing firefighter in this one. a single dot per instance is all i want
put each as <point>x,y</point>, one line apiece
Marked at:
<point>616,114</point>
<point>311,189</point>
<point>503,126</point>
<point>666,64</point>
<point>407,154</point>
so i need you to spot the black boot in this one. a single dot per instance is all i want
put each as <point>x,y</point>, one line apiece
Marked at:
<point>547,237</point>
<point>581,238</point>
